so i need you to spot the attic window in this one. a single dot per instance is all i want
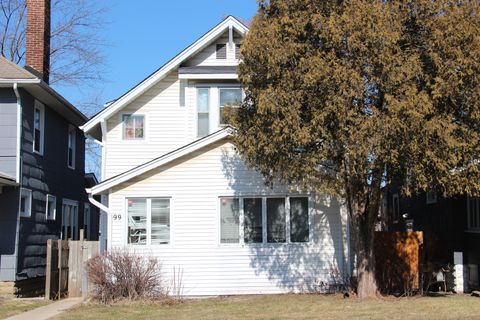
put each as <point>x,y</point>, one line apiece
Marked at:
<point>133,127</point>
<point>237,50</point>
<point>221,51</point>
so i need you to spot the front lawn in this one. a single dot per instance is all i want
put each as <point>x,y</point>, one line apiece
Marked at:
<point>288,307</point>
<point>10,307</point>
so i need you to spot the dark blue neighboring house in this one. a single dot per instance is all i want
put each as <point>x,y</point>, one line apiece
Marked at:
<point>42,156</point>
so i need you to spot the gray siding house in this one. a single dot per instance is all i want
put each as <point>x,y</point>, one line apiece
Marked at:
<point>42,174</point>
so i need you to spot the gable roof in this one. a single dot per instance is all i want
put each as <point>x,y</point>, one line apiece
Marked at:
<point>147,83</point>
<point>11,73</point>
<point>160,161</point>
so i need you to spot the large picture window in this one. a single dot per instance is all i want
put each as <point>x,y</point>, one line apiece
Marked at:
<point>264,220</point>
<point>148,221</point>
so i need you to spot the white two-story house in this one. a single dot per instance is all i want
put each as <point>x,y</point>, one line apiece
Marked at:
<point>175,187</point>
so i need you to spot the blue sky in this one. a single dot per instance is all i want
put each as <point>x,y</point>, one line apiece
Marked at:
<point>142,35</point>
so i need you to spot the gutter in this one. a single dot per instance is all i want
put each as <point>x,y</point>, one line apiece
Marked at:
<point>96,203</point>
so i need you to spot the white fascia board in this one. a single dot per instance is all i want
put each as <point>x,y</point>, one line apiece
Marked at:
<point>18,81</point>
<point>163,71</point>
<point>196,145</point>
<point>208,76</point>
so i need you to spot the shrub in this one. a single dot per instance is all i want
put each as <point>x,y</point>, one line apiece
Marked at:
<point>119,274</point>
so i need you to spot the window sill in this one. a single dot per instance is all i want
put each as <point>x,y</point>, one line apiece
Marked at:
<point>38,153</point>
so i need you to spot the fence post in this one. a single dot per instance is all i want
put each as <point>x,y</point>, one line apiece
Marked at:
<point>48,275</point>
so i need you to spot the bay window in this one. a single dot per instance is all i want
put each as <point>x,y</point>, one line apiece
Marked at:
<point>148,221</point>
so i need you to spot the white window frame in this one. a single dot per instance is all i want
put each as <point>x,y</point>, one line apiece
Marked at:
<point>209,113</point>
<point>41,108</point>
<point>470,213</point>
<point>71,130</point>
<point>264,242</point>
<point>124,138</point>
<point>220,88</point>
<point>47,207</point>
<point>149,222</point>
<point>431,197</point>
<point>27,193</point>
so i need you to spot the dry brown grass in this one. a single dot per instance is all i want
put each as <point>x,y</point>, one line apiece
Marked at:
<point>10,307</point>
<point>287,307</point>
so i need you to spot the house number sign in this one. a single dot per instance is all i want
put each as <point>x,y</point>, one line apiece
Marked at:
<point>117,217</point>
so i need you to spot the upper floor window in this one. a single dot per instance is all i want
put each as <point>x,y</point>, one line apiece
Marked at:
<point>38,127</point>
<point>230,99</point>
<point>203,107</point>
<point>221,51</point>
<point>395,207</point>
<point>148,221</point>
<point>237,50</point>
<point>431,197</point>
<point>86,221</point>
<point>133,127</point>
<point>71,147</point>
<point>473,214</point>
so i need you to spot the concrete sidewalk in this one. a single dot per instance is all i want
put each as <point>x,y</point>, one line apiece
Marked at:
<point>48,311</point>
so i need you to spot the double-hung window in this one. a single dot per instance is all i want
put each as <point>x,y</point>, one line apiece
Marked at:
<point>86,221</point>
<point>71,147</point>
<point>25,206</point>
<point>133,127</point>
<point>264,220</point>
<point>148,221</point>
<point>230,100</point>
<point>51,208</point>
<point>203,106</point>
<point>38,127</point>
<point>473,214</point>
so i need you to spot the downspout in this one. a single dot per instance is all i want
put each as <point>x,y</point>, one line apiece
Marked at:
<point>19,132</point>
<point>97,204</point>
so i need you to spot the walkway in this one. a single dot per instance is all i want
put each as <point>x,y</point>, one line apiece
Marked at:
<point>48,311</point>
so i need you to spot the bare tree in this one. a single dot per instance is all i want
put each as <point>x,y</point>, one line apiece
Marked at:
<point>75,48</point>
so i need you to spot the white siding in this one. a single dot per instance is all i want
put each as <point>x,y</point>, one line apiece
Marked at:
<point>207,56</point>
<point>194,184</point>
<point>165,126</point>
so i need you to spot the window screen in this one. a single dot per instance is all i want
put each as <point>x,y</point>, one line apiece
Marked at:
<point>137,221</point>
<point>276,220</point>
<point>229,220</point>
<point>252,208</point>
<point>160,232</point>
<point>299,220</point>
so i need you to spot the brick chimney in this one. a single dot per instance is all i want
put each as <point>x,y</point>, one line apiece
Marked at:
<point>38,37</point>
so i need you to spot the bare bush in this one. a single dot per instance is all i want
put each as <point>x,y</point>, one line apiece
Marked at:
<point>119,274</point>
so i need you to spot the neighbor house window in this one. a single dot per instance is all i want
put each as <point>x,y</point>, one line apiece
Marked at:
<point>133,127</point>
<point>299,225</point>
<point>51,207</point>
<point>264,214</point>
<point>395,207</point>
<point>203,103</point>
<point>473,214</point>
<point>230,100</point>
<point>86,221</point>
<point>69,219</point>
<point>229,220</point>
<point>25,206</point>
<point>431,197</point>
<point>148,221</point>
<point>221,51</point>
<point>71,147</point>
<point>253,224</point>
<point>38,127</point>
<point>276,220</point>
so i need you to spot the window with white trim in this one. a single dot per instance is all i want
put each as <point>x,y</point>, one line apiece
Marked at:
<point>264,220</point>
<point>38,127</point>
<point>148,221</point>
<point>230,101</point>
<point>25,206</point>
<point>221,51</point>
<point>203,106</point>
<point>71,147</point>
<point>51,207</point>
<point>133,127</point>
<point>473,214</point>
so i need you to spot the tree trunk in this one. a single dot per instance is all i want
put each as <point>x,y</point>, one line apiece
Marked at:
<point>367,284</point>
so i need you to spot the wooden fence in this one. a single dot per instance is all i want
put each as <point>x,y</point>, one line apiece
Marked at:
<point>398,261</point>
<point>65,272</point>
